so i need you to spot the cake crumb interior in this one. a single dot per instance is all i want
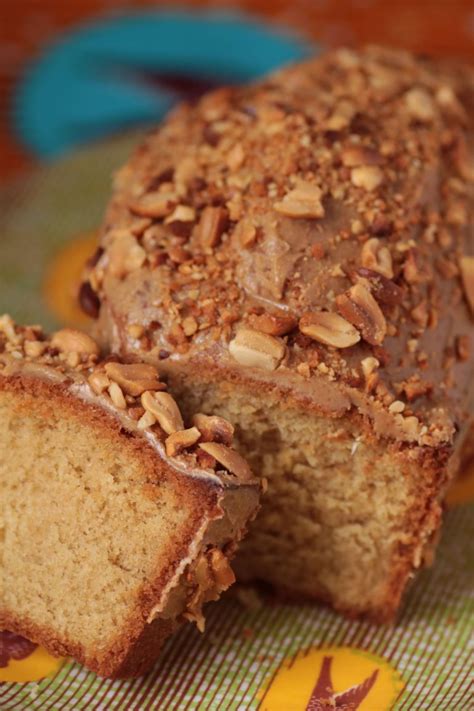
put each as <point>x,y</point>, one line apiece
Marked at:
<point>80,534</point>
<point>339,509</point>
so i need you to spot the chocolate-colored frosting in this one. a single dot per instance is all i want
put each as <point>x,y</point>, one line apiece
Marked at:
<point>341,186</point>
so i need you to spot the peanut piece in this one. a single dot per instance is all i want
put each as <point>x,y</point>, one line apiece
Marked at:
<point>377,257</point>
<point>69,340</point>
<point>302,201</point>
<point>134,378</point>
<point>368,177</point>
<point>214,428</point>
<point>328,328</point>
<point>212,224</point>
<point>256,349</point>
<point>359,307</point>
<point>229,458</point>
<point>116,395</point>
<point>272,324</point>
<point>178,441</point>
<point>165,409</point>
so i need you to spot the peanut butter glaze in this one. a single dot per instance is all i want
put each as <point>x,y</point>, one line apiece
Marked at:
<point>342,186</point>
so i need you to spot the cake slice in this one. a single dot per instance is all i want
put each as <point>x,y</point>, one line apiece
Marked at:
<point>118,522</point>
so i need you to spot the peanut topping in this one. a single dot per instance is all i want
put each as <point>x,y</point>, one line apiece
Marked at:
<point>467,272</point>
<point>328,328</point>
<point>420,105</point>
<point>282,191</point>
<point>178,441</point>
<point>182,213</point>
<point>69,340</point>
<point>302,201</point>
<point>369,365</point>
<point>377,257</point>
<point>116,395</point>
<point>368,177</point>
<point>255,349</point>
<point>229,458</point>
<point>272,324</point>
<point>154,205</point>
<point>214,428</point>
<point>98,381</point>
<point>359,307</point>
<point>125,255</point>
<point>235,157</point>
<point>384,290</point>
<point>34,349</point>
<point>146,420</point>
<point>397,406</point>
<point>245,232</point>
<point>165,409</point>
<point>354,156</point>
<point>211,226</point>
<point>134,378</point>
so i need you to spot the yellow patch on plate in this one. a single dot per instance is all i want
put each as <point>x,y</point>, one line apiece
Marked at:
<point>34,667</point>
<point>332,678</point>
<point>63,277</point>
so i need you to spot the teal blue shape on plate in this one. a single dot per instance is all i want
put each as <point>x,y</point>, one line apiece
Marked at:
<point>113,73</point>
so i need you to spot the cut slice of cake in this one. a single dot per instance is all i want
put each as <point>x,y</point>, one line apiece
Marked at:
<point>118,522</point>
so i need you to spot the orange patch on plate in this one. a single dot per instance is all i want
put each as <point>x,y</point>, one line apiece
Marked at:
<point>63,277</point>
<point>38,665</point>
<point>333,677</point>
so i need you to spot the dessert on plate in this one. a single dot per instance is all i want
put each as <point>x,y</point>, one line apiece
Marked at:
<point>297,256</point>
<point>118,519</point>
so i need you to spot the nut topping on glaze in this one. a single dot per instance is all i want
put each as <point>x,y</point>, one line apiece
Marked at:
<point>359,307</point>
<point>303,201</point>
<point>120,387</point>
<point>467,272</point>
<point>214,428</point>
<point>117,397</point>
<point>211,226</point>
<point>351,170</point>
<point>154,205</point>
<point>134,378</point>
<point>329,328</point>
<point>384,290</point>
<point>256,349</point>
<point>368,177</point>
<point>70,340</point>
<point>229,458</point>
<point>178,441</point>
<point>245,232</point>
<point>125,255</point>
<point>163,406</point>
<point>272,324</point>
<point>420,105</point>
<point>353,156</point>
<point>377,257</point>
<point>98,381</point>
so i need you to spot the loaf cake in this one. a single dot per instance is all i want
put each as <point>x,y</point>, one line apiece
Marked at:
<point>297,256</point>
<point>118,522</point>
